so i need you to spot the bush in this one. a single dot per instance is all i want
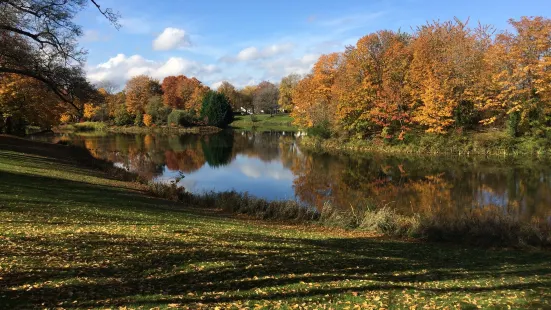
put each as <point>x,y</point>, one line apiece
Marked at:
<point>216,110</point>
<point>122,117</point>
<point>169,191</point>
<point>513,123</point>
<point>181,118</point>
<point>158,111</point>
<point>482,227</point>
<point>138,121</point>
<point>148,120</point>
<point>90,126</point>
<point>321,130</point>
<point>259,208</point>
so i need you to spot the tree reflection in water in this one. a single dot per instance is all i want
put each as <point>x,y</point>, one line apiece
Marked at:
<point>445,185</point>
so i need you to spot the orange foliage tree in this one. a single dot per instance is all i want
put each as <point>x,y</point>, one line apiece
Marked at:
<point>444,72</point>
<point>27,101</point>
<point>444,76</point>
<point>313,96</point>
<point>181,92</point>
<point>522,73</point>
<point>138,91</point>
<point>371,85</point>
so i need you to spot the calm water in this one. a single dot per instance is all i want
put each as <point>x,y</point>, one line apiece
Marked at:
<point>273,166</point>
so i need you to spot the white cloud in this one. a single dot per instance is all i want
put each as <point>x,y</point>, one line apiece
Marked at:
<point>257,169</point>
<point>253,53</point>
<point>250,53</point>
<point>121,68</point>
<point>216,85</point>
<point>170,39</point>
<point>275,69</point>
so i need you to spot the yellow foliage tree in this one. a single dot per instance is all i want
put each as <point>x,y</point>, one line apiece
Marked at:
<point>444,72</point>
<point>314,95</point>
<point>90,111</point>
<point>522,71</point>
<point>147,120</point>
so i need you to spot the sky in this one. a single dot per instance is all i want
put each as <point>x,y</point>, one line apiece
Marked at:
<point>245,41</point>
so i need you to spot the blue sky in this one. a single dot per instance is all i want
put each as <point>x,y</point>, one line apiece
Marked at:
<point>248,41</point>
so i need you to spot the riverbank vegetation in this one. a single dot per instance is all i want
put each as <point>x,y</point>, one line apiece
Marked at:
<point>445,79</point>
<point>76,235</point>
<point>495,143</point>
<point>488,226</point>
<point>264,122</point>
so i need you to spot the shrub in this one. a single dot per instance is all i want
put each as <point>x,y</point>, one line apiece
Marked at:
<point>147,120</point>
<point>321,130</point>
<point>90,126</point>
<point>122,117</point>
<point>512,124</point>
<point>216,110</point>
<point>158,111</point>
<point>138,121</point>
<point>65,118</point>
<point>181,118</point>
<point>169,191</point>
<point>388,222</point>
<point>243,203</point>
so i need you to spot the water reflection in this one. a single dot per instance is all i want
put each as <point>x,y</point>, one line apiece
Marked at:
<point>272,166</point>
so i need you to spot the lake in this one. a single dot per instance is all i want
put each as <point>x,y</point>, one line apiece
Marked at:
<point>273,166</point>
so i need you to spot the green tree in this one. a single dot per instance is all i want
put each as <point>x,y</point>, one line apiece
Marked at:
<point>158,111</point>
<point>216,110</point>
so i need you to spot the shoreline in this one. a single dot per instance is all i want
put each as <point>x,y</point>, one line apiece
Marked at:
<point>473,144</point>
<point>102,127</point>
<point>501,230</point>
<point>79,233</point>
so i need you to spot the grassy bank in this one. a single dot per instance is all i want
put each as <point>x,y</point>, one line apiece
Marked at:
<point>488,227</point>
<point>494,143</point>
<point>264,122</point>
<point>103,127</point>
<point>73,235</point>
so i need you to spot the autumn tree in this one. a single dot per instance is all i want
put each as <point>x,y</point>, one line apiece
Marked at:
<point>171,91</point>
<point>27,101</point>
<point>313,96</point>
<point>286,88</point>
<point>443,75</point>
<point>181,92</point>
<point>195,102</point>
<point>371,85</point>
<point>230,92</point>
<point>38,39</point>
<point>265,97</point>
<point>522,74</point>
<point>138,91</point>
<point>246,98</point>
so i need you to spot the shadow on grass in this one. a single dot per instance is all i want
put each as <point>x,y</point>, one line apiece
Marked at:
<point>149,266</point>
<point>80,245</point>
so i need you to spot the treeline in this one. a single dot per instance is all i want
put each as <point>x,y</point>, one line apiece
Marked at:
<point>179,100</point>
<point>144,101</point>
<point>444,77</point>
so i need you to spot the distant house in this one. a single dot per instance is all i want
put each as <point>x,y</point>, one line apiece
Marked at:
<point>246,111</point>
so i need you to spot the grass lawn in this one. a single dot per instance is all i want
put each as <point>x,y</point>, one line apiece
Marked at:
<point>264,122</point>
<point>73,236</point>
